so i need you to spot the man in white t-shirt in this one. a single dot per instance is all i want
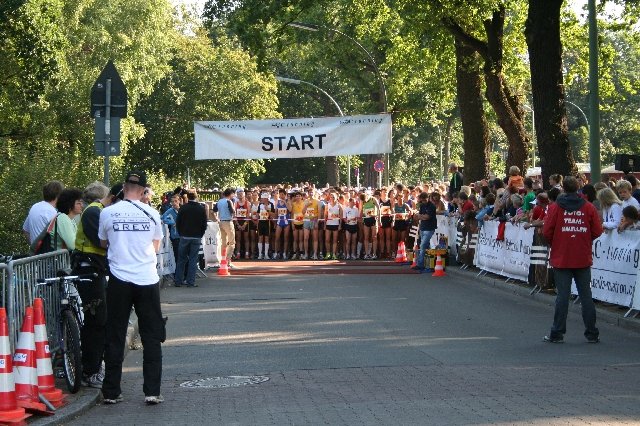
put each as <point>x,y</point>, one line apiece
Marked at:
<point>131,231</point>
<point>43,211</point>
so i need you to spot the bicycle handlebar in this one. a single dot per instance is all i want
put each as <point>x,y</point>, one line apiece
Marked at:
<point>67,278</point>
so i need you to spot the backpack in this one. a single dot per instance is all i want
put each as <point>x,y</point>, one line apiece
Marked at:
<point>43,244</point>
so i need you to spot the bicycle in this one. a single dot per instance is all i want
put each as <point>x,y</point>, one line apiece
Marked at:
<point>70,319</point>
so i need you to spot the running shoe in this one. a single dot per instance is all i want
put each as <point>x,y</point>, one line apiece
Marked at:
<point>247,256</point>
<point>153,400</point>
<point>373,257</point>
<point>260,257</point>
<point>294,256</point>
<point>115,400</point>
<point>367,257</point>
<point>284,256</point>
<point>314,257</point>
<point>92,381</point>
<point>275,256</point>
<point>327,257</point>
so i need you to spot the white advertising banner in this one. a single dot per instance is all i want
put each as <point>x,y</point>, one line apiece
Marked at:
<point>635,304</point>
<point>443,230</point>
<point>510,257</point>
<point>211,245</point>
<point>293,138</point>
<point>616,257</point>
<point>166,263</point>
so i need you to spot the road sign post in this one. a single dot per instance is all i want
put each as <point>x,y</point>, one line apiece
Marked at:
<point>110,88</point>
<point>378,166</point>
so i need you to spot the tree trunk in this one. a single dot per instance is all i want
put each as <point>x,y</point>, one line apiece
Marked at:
<point>331,163</point>
<point>447,144</point>
<point>507,106</point>
<point>474,124</point>
<point>545,57</point>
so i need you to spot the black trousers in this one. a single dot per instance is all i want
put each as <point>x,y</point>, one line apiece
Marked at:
<point>121,296</point>
<point>94,304</point>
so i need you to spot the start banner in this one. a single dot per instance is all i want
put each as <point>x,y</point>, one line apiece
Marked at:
<point>293,138</point>
<point>616,257</point>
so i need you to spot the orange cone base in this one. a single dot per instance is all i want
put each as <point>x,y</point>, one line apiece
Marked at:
<point>223,272</point>
<point>55,397</point>
<point>35,407</point>
<point>15,416</point>
<point>439,274</point>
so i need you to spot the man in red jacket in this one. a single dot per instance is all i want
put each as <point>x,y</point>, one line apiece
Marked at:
<point>571,224</point>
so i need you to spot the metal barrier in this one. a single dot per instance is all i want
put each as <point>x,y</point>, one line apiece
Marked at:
<point>19,289</point>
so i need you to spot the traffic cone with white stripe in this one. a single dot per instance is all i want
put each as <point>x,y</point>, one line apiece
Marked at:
<point>46,380</point>
<point>439,271</point>
<point>223,270</point>
<point>10,413</point>
<point>401,254</point>
<point>415,256</point>
<point>25,371</point>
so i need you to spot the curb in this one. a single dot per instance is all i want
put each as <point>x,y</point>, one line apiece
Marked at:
<point>86,397</point>
<point>523,290</point>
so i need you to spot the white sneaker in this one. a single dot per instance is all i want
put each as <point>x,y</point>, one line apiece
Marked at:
<point>303,257</point>
<point>314,257</point>
<point>275,256</point>
<point>284,256</point>
<point>153,400</point>
<point>295,256</point>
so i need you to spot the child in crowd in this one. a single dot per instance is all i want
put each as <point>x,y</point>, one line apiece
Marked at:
<point>611,208</point>
<point>629,219</point>
<point>624,192</point>
<point>514,177</point>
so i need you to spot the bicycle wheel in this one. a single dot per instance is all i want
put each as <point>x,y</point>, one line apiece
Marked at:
<point>71,353</point>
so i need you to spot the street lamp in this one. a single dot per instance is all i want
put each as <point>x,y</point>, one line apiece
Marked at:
<point>594,97</point>
<point>383,89</point>
<point>298,82</point>
<point>581,111</point>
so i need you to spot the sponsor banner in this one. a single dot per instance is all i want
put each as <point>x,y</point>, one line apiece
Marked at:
<point>166,263</point>
<point>293,138</point>
<point>635,304</point>
<point>211,245</point>
<point>510,257</point>
<point>444,229</point>
<point>616,257</point>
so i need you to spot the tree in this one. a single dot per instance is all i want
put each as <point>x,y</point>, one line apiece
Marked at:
<point>545,56</point>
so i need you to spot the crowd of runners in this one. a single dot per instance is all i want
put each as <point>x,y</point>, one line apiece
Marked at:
<point>301,221</point>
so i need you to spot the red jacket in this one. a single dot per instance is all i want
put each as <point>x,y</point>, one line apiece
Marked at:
<point>570,226</point>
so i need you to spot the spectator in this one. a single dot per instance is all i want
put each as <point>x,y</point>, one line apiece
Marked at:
<point>191,224</point>
<point>465,204</point>
<point>629,219</point>
<point>456,179</point>
<point>69,205</point>
<point>539,211</point>
<point>555,181</point>
<point>514,178</point>
<point>169,218</point>
<point>529,197</point>
<point>427,227</point>
<point>90,258</point>
<point>132,232</point>
<point>42,212</point>
<point>624,189</point>
<point>486,210</point>
<point>571,257</point>
<point>225,213</point>
<point>611,208</point>
<point>634,185</point>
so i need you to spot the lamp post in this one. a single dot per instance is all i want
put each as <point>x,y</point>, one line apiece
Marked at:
<point>298,82</point>
<point>594,98</point>
<point>383,88</point>
<point>533,134</point>
<point>581,111</point>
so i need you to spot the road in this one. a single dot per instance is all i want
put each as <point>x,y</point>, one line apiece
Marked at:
<point>376,349</point>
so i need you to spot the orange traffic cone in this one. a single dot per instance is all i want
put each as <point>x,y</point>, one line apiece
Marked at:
<point>25,372</point>
<point>439,271</point>
<point>223,271</point>
<point>10,413</point>
<point>404,252</point>
<point>46,381</point>
<point>400,253</point>
<point>415,256</point>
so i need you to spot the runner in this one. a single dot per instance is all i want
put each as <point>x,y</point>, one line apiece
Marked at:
<point>311,212</point>
<point>266,211</point>
<point>333,215</point>
<point>283,209</point>
<point>386,222</point>
<point>401,223</point>
<point>241,222</point>
<point>297,211</point>
<point>253,224</point>
<point>350,217</point>
<point>370,213</point>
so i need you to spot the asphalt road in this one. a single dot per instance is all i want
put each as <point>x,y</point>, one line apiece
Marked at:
<point>377,349</point>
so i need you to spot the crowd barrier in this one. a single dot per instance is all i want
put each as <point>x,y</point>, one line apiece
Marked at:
<point>19,288</point>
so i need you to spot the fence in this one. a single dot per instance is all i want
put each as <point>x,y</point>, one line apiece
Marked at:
<point>19,279</point>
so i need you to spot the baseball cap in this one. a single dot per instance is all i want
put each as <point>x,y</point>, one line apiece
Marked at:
<point>117,191</point>
<point>140,177</point>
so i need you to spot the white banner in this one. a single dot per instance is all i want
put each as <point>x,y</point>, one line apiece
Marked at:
<point>510,257</point>
<point>443,230</point>
<point>211,246</point>
<point>614,273</point>
<point>166,263</point>
<point>293,138</point>
<point>635,304</point>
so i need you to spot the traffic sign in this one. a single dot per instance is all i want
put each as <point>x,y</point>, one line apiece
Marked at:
<point>100,138</point>
<point>378,166</point>
<point>356,171</point>
<point>118,99</point>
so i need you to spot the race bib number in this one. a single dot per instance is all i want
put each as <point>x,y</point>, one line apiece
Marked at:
<point>282,211</point>
<point>401,216</point>
<point>311,213</point>
<point>385,210</point>
<point>299,218</point>
<point>264,215</point>
<point>371,212</point>
<point>242,213</point>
